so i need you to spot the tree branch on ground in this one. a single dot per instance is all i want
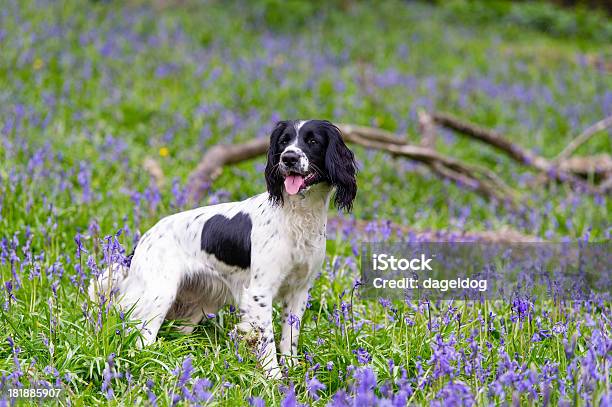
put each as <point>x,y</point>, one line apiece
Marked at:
<point>154,169</point>
<point>216,158</point>
<point>427,129</point>
<point>583,138</point>
<point>480,179</point>
<point>572,171</point>
<point>565,171</point>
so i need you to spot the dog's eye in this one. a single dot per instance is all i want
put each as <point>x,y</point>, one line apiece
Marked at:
<point>283,141</point>
<point>312,141</point>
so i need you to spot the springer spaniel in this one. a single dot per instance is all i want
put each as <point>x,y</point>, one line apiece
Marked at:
<point>267,247</point>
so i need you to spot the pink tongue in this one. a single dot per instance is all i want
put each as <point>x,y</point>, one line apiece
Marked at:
<point>293,183</point>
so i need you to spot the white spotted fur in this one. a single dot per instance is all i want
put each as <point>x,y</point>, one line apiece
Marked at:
<point>170,252</point>
<point>171,277</point>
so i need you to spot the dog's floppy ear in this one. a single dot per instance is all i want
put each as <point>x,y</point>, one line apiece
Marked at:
<point>341,168</point>
<point>274,180</point>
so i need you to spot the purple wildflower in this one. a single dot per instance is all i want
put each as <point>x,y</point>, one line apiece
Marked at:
<point>363,356</point>
<point>200,390</point>
<point>289,399</point>
<point>107,376</point>
<point>293,321</point>
<point>313,386</point>
<point>150,395</point>
<point>364,391</point>
<point>455,394</point>
<point>256,402</point>
<point>184,373</point>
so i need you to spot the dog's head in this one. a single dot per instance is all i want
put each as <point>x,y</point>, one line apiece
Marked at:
<point>305,153</point>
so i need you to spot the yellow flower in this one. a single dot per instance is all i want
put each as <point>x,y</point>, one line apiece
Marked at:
<point>38,64</point>
<point>164,151</point>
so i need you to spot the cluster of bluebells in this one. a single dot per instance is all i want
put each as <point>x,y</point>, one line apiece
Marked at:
<point>459,367</point>
<point>453,357</point>
<point>188,389</point>
<point>67,213</point>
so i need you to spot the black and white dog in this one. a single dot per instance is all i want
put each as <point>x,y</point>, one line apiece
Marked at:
<point>267,247</point>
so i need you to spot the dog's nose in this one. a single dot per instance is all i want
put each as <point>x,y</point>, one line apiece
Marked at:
<point>290,158</point>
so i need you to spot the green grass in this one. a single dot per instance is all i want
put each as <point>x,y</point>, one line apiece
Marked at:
<point>104,85</point>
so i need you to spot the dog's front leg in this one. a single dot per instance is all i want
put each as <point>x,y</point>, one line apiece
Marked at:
<point>294,304</point>
<point>256,310</point>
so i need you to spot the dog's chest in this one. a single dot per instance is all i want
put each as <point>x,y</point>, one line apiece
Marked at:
<point>306,255</point>
<point>307,252</point>
<point>306,233</point>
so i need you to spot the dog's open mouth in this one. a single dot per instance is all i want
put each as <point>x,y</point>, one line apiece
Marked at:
<point>294,182</point>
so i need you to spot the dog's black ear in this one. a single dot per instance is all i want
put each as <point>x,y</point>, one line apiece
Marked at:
<point>274,180</point>
<point>341,168</point>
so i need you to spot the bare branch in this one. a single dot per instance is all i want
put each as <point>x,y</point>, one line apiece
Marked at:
<point>551,169</point>
<point>212,163</point>
<point>606,186</point>
<point>583,138</point>
<point>600,165</point>
<point>484,135</point>
<point>427,129</point>
<point>373,134</point>
<point>154,169</point>
<point>481,180</point>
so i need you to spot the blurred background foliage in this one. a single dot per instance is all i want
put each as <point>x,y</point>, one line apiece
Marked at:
<point>180,76</point>
<point>586,20</point>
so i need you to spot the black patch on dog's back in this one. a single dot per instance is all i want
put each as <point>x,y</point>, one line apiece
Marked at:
<point>229,240</point>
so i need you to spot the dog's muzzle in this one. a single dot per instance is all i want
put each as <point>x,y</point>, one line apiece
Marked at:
<point>294,167</point>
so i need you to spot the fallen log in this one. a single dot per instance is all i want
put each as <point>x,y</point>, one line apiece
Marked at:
<point>480,179</point>
<point>216,158</point>
<point>598,165</point>
<point>554,170</point>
